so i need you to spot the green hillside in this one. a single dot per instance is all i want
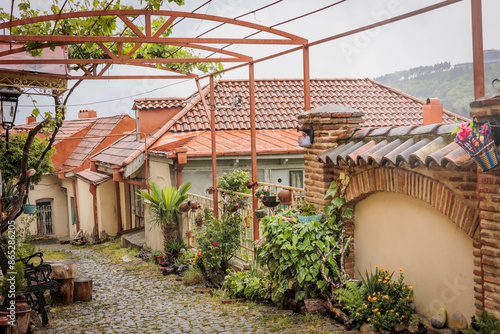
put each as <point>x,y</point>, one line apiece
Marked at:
<point>453,86</point>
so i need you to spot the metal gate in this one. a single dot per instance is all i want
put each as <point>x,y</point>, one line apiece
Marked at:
<point>44,218</point>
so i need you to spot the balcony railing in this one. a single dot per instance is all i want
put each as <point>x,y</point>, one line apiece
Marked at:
<point>246,249</point>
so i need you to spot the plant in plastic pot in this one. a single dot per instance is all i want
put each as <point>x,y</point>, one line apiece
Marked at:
<point>308,213</point>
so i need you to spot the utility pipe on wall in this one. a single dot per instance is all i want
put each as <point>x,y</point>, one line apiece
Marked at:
<point>93,191</point>
<point>77,218</point>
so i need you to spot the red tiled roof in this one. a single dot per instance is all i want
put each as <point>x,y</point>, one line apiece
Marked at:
<point>236,142</point>
<point>93,177</point>
<point>278,102</point>
<point>428,145</point>
<point>119,151</point>
<point>68,128</point>
<point>102,127</point>
<point>159,103</point>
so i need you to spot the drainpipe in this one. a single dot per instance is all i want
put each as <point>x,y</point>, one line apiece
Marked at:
<point>118,208</point>
<point>93,191</point>
<point>181,163</point>
<point>63,177</point>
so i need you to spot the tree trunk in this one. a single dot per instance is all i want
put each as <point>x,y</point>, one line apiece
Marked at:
<point>82,290</point>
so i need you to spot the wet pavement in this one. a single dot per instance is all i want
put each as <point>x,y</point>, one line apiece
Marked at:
<point>133,301</point>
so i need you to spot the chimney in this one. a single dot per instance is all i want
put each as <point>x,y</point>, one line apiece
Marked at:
<point>30,119</point>
<point>89,113</point>
<point>432,112</point>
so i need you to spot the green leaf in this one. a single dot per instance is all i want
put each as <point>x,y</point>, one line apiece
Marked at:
<point>338,202</point>
<point>302,295</point>
<point>347,213</point>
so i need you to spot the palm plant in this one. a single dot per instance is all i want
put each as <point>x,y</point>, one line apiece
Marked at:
<point>164,203</point>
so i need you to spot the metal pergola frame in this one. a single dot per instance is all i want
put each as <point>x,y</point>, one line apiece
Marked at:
<point>281,38</point>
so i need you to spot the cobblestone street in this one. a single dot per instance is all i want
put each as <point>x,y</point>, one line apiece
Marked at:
<point>129,301</point>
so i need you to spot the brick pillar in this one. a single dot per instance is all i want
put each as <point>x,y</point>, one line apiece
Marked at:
<point>330,123</point>
<point>487,240</point>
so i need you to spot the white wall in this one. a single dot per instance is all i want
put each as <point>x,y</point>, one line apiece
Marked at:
<point>397,231</point>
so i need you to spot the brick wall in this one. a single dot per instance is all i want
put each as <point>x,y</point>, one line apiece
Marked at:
<point>453,192</point>
<point>487,243</point>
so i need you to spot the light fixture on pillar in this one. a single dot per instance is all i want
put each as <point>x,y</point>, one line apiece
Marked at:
<point>308,138</point>
<point>8,97</point>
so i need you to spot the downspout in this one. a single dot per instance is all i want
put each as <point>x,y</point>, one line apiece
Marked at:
<point>93,191</point>
<point>181,163</point>
<point>118,208</point>
<point>61,176</point>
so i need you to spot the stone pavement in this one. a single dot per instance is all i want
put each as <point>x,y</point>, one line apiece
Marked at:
<point>125,301</point>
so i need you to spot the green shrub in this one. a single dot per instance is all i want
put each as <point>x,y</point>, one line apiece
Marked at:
<point>217,243</point>
<point>291,253</point>
<point>245,285</point>
<point>349,295</point>
<point>486,323</point>
<point>192,276</point>
<point>383,302</point>
<point>174,246</point>
<point>235,181</point>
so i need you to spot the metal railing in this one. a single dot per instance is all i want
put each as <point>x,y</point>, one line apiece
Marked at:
<point>246,249</point>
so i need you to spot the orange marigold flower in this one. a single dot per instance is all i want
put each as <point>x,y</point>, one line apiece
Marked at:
<point>400,269</point>
<point>357,314</point>
<point>392,311</point>
<point>410,287</point>
<point>378,313</point>
<point>376,266</point>
<point>378,293</point>
<point>375,310</point>
<point>387,278</point>
<point>403,316</point>
<point>374,298</point>
<point>380,280</point>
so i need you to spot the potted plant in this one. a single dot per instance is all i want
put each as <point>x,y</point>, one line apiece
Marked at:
<point>14,302</point>
<point>262,193</point>
<point>158,256</point>
<point>477,141</point>
<point>308,213</point>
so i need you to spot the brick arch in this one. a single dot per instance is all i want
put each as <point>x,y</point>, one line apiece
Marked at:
<point>401,181</point>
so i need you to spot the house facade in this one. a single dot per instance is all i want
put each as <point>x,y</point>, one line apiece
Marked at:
<point>62,198</point>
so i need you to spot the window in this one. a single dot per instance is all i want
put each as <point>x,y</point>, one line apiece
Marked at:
<point>297,178</point>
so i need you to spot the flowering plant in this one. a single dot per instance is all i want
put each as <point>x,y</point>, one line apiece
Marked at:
<point>383,302</point>
<point>262,192</point>
<point>472,137</point>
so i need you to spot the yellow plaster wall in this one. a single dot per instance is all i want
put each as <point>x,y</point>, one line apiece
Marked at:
<point>85,207</point>
<point>49,188</point>
<point>397,231</point>
<point>106,208</point>
<point>160,174</point>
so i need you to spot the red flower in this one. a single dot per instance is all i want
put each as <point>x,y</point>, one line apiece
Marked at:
<point>464,131</point>
<point>215,244</point>
<point>198,254</point>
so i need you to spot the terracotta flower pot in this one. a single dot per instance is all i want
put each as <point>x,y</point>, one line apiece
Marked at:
<point>194,205</point>
<point>184,207</point>
<point>285,196</point>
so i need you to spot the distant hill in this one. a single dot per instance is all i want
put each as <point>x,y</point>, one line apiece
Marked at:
<point>454,86</point>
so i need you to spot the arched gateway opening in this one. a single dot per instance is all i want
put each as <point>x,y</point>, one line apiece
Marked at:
<point>397,231</point>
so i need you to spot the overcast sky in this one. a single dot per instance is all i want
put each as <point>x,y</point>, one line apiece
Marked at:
<point>438,36</point>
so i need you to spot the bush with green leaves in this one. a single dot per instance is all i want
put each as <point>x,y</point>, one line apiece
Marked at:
<point>245,285</point>
<point>383,302</point>
<point>10,290</point>
<point>307,260</point>
<point>293,254</point>
<point>486,323</point>
<point>235,181</point>
<point>217,243</point>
